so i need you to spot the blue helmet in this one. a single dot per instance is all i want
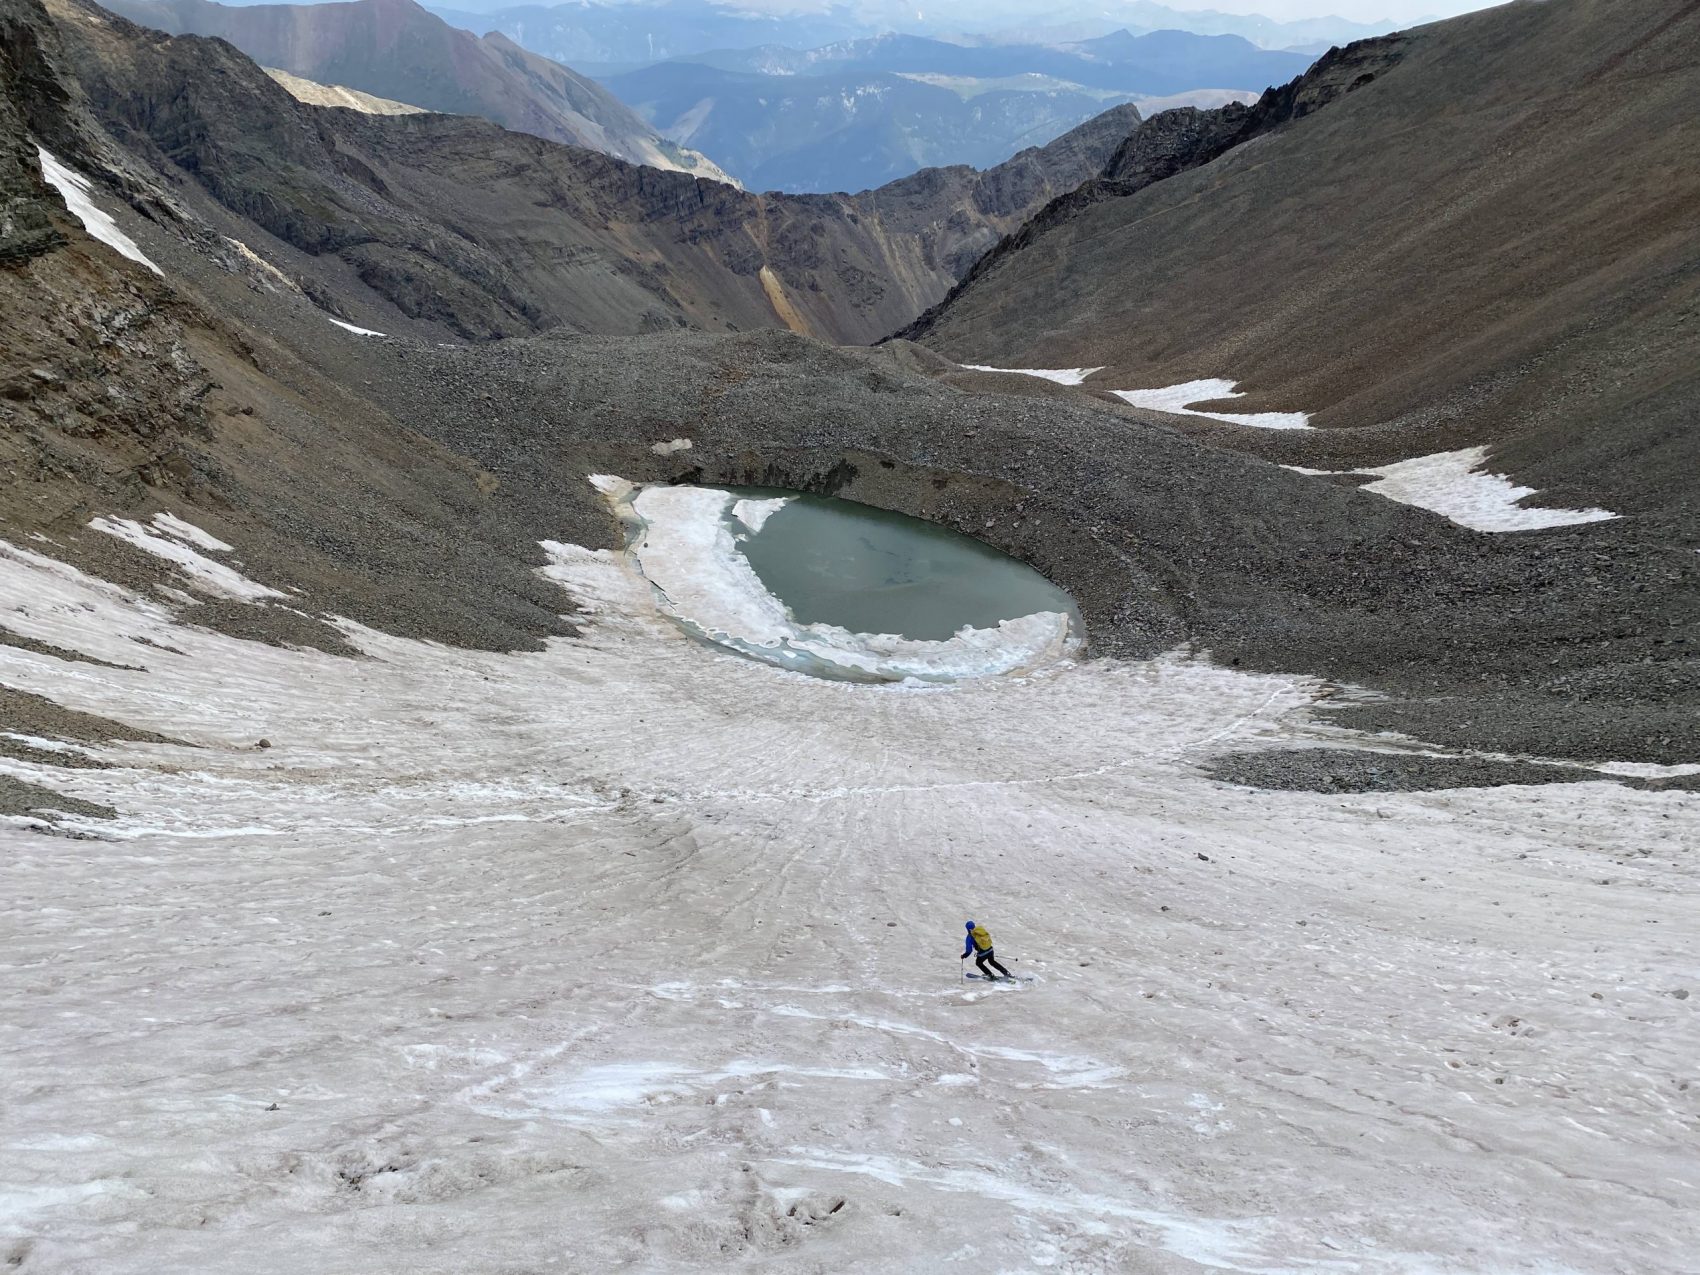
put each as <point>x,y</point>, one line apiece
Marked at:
<point>969,926</point>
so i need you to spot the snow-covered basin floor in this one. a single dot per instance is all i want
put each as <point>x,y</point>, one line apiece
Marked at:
<point>633,954</point>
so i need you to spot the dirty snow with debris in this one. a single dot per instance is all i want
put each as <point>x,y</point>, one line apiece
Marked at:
<point>1454,485</point>
<point>77,192</point>
<point>1178,399</point>
<point>179,543</point>
<point>630,950</point>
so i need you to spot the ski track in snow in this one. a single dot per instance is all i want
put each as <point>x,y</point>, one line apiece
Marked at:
<point>77,192</point>
<point>635,951</point>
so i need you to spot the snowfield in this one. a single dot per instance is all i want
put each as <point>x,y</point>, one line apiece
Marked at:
<point>632,954</point>
<point>1179,399</point>
<point>1453,484</point>
<point>1061,375</point>
<point>77,192</point>
<point>1457,486</point>
<point>354,328</point>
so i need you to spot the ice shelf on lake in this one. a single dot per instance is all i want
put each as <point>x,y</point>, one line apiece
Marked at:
<point>688,550</point>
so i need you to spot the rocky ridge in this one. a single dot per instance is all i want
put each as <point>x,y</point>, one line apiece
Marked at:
<point>1480,234</point>
<point>1185,138</point>
<point>396,50</point>
<point>454,227</point>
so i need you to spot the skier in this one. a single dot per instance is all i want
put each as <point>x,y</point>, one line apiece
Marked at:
<point>979,945</point>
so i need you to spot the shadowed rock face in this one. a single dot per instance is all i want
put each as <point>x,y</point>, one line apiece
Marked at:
<point>479,232</point>
<point>1482,232</point>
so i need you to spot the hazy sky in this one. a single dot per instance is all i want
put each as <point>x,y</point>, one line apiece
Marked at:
<point>1362,10</point>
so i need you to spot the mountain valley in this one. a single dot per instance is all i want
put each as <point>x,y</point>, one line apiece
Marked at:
<point>418,857</point>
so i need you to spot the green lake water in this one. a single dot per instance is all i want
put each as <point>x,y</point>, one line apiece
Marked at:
<point>870,571</point>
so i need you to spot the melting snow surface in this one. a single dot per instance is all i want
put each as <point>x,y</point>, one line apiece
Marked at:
<point>492,957</point>
<point>75,190</point>
<point>179,542</point>
<point>349,327</point>
<point>1178,399</point>
<point>189,533</point>
<point>688,552</point>
<point>1450,483</point>
<point>1061,375</point>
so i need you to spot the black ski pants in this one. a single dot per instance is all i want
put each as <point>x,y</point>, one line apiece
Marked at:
<point>983,959</point>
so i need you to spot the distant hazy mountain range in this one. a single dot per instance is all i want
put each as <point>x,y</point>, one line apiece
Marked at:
<point>1154,64</point>
<point>859,113</point>
<point>585,34</point>
<point>394,49</point>
<point>630,35</point>
<point>807,133</point>
<point>845,115</point>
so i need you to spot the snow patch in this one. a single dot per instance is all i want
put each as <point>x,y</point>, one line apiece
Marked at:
<point>600,1091</point>
<point>612,1086</point>
<point>1178,399</point>
<point>1061,375</point>
<point>76,191</point>
<point>1448,483</point>
<point>1646,769</point>
<point>611,485</point>
<point>358,331</point>
<point>188,533</point>
<point>667,449</point>
<point>178,548</point>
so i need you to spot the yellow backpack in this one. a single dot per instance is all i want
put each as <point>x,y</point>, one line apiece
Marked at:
<point>982,938</point>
